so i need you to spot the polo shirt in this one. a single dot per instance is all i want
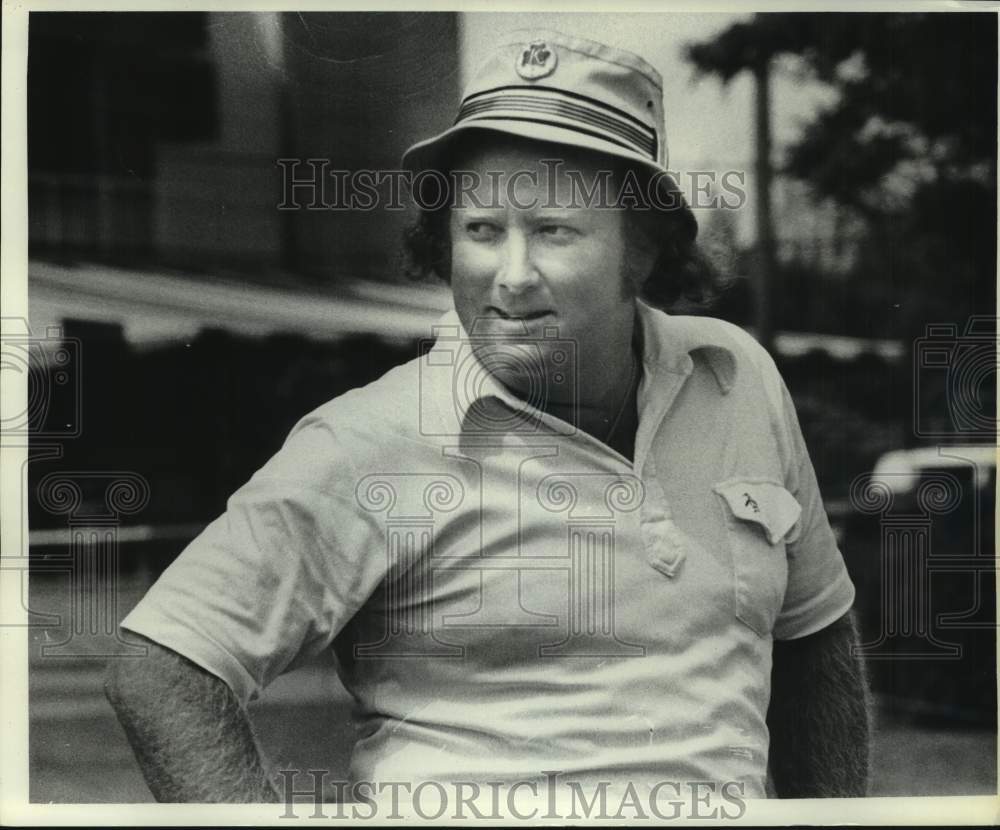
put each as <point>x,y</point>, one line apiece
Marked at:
<point>506,595</point>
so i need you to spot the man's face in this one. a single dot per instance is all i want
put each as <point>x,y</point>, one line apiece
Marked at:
<point>525,264</point>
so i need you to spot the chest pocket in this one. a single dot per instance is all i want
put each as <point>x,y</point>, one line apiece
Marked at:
<point>760,516</point>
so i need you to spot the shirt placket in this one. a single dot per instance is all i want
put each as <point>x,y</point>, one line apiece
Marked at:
<point>662,539</point>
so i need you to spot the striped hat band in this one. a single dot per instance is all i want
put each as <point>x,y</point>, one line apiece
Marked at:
<point>555,107</point>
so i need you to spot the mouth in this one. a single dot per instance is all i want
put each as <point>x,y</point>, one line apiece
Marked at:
<point>535,314</point>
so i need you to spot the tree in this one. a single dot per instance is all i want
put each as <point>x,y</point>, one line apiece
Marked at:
<point>909,144</point>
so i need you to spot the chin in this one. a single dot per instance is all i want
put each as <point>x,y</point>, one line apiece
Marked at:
<point>536,381</point>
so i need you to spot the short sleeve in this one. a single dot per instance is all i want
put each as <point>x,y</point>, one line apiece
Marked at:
<point>819,589</point>
<point>269,583</point>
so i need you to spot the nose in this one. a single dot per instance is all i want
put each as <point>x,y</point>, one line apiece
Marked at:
<point>517,273</point>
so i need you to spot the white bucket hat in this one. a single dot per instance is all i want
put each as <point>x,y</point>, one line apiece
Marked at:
<point>551,87</point>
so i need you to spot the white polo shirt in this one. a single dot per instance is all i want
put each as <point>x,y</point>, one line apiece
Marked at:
<point>506,595</point>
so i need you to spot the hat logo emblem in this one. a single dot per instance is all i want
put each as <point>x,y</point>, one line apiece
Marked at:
<point>536,61</point>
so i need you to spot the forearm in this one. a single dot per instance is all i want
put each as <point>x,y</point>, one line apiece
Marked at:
<point>819,717</point>
<point>190,736</point>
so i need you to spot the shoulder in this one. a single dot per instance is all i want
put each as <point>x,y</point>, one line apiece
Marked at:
<point>385,404</point>
<point>364,429</point>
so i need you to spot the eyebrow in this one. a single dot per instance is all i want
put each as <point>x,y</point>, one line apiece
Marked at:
<point>539,216</point>
<point>474,214</point>
<point>553,214</point>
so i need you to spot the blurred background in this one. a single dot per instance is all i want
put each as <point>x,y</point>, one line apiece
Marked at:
<point>180,322</point>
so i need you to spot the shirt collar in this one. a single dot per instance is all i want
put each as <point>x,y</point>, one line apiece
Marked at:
<point>668,342</point>
<point>671,341</point>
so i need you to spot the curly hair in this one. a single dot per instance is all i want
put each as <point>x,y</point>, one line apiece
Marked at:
<point>663,236</point>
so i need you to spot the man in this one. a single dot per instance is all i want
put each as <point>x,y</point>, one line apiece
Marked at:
<point>570,538</point>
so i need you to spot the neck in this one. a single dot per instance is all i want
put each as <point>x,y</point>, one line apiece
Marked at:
<point>607,385</point>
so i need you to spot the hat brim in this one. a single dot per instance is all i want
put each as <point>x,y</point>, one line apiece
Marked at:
<point>426,155</point>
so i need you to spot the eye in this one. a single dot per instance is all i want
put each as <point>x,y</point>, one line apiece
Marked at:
<point>558,233</point>
<point>482,231</point>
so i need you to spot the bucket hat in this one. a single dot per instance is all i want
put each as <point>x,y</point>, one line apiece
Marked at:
<point>548,86</point>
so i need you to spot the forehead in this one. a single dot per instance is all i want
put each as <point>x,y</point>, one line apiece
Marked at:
<point>499,166</point>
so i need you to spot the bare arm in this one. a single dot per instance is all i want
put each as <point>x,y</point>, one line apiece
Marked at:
<point>191,737</point>
<point>819,715</point>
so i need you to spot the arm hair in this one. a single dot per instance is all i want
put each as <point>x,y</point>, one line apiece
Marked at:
<point>190,735</point>
<point>820,715</point>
